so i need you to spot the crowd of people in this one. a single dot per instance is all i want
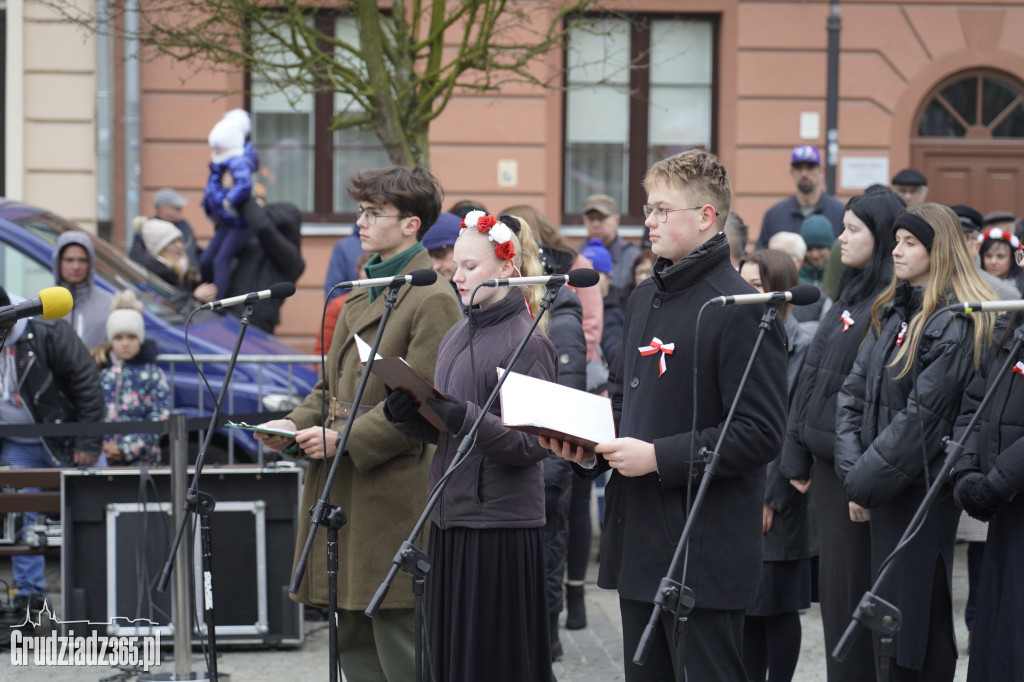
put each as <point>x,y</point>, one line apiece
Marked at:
<point>824,456</point>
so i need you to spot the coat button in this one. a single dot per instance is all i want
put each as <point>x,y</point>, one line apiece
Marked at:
<point>563,359</point>
<point>635,382</point>
<point>657,303</point>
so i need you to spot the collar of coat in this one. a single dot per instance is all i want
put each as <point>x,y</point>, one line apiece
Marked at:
<point>669,276</point>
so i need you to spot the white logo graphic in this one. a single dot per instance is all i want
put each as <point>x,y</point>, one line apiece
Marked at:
<point>92,649</point>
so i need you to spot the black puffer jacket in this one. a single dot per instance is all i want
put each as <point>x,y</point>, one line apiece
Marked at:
<point>996,447</point>
<point>272,255</point>
<point>59,382</point>
<point>886,427</point>
<point>811,428</point>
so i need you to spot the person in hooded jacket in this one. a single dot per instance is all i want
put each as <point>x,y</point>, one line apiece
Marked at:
<point>135,389</point>
<point>899,402</point>
<point>272,255</point>
<point>987,482</point>
<point>487,613</point>
<point>771,629</point>
<point>46,377</point>
<point>808,453</point>
<point>74,259</point>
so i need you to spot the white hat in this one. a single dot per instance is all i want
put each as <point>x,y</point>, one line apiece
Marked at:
<point>157,234</point>
<point>126,317</point>
<point>240,118</point>
<point>227,135</point>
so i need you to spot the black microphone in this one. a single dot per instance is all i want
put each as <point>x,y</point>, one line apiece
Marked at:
<point>803,294</point>
<point>987,306</point>
<point>52,303</point>
<point>579,278</point>
<point>416,278</point>
<point>279,290</point>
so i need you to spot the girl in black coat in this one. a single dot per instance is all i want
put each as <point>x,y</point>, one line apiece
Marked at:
<point>771,630</point>
<point>844,572</point>
<point>986,484</point>
<point>899,402</point>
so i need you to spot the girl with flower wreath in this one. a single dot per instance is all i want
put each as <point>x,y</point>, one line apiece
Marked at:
<point>998,250</point>
<point>487,616</point>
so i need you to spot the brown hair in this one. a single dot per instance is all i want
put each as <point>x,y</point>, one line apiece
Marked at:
<point>413,191</point>
<point>778,272</point>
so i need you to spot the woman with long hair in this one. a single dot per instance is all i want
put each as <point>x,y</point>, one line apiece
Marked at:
<point>896,407</point>
<point>487,614</point>
<point>771,629</point>
<point>808,454</point>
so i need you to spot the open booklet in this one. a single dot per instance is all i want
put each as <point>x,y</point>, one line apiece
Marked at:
<point>398,375</point>
<point>548,409</point>
<point>260,429</point>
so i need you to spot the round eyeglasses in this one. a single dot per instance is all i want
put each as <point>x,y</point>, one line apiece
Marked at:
<point>371,215</point>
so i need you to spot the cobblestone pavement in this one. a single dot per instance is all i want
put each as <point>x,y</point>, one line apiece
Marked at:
<point>593,654</point>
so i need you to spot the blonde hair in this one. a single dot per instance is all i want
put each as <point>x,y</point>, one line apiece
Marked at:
<point>951,276</point>
<point>698,173</point>
<point>526,259</point>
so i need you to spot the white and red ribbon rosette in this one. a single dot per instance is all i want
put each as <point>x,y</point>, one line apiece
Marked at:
<point>658,346</point>
<point>1018,368</point>
<point>847,320</point>
<point>903,332</point>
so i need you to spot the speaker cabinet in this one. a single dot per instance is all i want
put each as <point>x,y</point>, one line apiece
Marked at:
<point>118,529</point>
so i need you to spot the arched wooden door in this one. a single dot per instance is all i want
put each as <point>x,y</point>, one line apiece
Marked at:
<point>970,141</point>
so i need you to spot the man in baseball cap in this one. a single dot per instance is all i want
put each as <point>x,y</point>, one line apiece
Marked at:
<point>911,185</point>
<point>601,218</point>
<point>810,198</point>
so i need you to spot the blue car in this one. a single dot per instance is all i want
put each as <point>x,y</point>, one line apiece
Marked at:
<point>27,238</point>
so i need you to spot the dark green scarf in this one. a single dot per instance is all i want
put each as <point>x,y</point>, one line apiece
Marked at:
<point>391,267</point>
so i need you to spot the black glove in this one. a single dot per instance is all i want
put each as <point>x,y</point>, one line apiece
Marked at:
<point>451,411</point>
<point>400,407</point>
<point>976,496</point>
<point>968,463</point>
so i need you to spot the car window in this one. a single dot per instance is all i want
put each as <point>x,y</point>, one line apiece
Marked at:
<point>159,297</point>
<point>22,274</point>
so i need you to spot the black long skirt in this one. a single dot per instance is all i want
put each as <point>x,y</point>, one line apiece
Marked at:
<point>487,616</point>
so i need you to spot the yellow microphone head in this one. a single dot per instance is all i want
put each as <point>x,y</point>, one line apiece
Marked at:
<point>57,302</point>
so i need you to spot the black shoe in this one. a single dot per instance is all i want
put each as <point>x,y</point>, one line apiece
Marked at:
<point>556,644</point>
<point>576,610</point>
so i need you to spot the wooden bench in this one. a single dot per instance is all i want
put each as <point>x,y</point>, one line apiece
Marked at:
<point>48,500</point>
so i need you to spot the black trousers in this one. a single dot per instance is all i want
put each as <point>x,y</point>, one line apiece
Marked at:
<point>710,650</point>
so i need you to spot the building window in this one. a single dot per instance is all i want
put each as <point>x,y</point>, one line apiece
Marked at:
<point>638,89</point>
<point>301,160</point>
<point>978,105</point>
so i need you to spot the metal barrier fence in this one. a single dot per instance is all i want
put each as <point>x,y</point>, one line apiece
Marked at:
<point>253,389</point>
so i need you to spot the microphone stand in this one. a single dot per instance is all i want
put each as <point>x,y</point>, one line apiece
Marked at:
<point>411,558</point>
<point>672,595</point>
<point>333,517</point>
<point>204,504</point>
<point>875,613</point>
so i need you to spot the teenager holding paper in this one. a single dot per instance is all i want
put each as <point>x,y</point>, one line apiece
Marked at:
<point>487,615</point>
<point>657,462</point>
<point>381,481</point>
